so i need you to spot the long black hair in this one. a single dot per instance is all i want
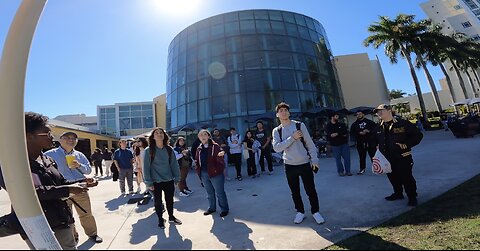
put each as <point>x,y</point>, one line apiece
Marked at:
<point>153,143</point>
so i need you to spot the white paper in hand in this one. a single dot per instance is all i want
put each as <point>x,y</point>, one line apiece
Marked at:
<point>380,164</point>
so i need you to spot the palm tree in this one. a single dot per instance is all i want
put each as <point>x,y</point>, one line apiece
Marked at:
<point>416,44</point>
<point>395,34</point>
<point>394,94</point>
<point>435,47</point>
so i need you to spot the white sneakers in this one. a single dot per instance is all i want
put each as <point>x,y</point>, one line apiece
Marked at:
<point>300,217</point>
<point>318,218</point>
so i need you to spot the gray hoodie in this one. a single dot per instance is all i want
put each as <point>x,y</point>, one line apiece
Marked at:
<point>294,153</point>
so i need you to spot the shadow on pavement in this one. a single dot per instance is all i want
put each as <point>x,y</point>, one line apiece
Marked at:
<point>114,204</point>
<point>235,235</point>
<point>366,241</point>
<point>174,240</point>
<point>87,245</point>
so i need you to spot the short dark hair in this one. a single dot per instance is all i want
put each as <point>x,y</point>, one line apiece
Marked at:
<point>34,121</point>
<point>282,105</point>
<point>232,128</point>
<point>259,122</point>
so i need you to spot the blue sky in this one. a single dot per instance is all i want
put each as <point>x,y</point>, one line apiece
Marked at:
<point>89,52</point>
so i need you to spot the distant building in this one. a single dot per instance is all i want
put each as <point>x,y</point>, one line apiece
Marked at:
<point>81,120</point>
<point>362,80</point>
<point>125,120</point>
<point>457,16</point>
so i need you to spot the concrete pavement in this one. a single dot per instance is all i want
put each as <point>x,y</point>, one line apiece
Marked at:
<point>262,210</point>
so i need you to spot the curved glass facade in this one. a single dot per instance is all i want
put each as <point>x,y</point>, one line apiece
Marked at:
<point>230,68</point>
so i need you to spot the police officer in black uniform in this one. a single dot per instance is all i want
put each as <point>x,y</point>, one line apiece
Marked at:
<point>395,138</point>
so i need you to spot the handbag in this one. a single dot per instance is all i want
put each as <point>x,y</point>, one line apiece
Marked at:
<point>380,164</point>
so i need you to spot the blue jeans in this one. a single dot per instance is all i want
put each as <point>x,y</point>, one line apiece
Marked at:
<point>339,152</point>
<point>215,186</point>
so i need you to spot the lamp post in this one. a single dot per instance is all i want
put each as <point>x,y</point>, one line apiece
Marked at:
<point>15,164</point>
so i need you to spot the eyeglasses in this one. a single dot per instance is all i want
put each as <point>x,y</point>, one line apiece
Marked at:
<point>49,134</point>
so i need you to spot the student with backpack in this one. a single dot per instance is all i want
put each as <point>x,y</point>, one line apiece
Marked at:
<point>299,155</point>
<point>161,173</point>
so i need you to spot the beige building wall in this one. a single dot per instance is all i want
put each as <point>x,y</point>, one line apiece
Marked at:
<point>361,80</point>
<point>444,95</point>
<point>160,104</point>
<point>452,15</point>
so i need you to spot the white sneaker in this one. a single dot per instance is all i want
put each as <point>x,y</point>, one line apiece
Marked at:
<point>139,190</point>
<point>318,218</point>
<point>188,191</point>
<point>299,218</point>
<point>182,194</point>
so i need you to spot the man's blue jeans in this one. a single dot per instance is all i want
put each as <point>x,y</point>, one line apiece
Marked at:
<point>215,186</point>
<point>339,152</point>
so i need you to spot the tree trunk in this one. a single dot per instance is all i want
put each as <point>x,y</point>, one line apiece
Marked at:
<point>460,79</point>
<point>436,99</point>
<point>449,82</point>
<point>476,76</point>
<point>470,80</point>
<point>417,84</point>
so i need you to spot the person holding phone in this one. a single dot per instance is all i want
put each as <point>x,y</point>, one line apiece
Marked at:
<point>300,158</point>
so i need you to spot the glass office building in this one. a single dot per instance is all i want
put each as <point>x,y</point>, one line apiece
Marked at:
<point>232,68</point>
<point>126,119</point>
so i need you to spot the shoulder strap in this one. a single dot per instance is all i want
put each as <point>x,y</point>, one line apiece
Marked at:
<point>299,127</point>
<point>280,133</point>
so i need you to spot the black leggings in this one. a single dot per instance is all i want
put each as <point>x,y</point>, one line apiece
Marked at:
<point>169,189</point>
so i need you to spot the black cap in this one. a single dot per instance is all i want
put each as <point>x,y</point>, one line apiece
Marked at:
<point>69,133</point>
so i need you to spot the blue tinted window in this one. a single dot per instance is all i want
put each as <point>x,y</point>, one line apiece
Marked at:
<point>181,95</point>
<point>232,29</point>
<point>246,15</point>
<point>192,113</point>
<point>255,81</point>
<point>251,43</point>
<point>278,28</point>
<point>217,31</point>
<point>263,26</point>
<point>181,115</point>
<point>231,17</point>
<point>310,23</point>
<point>291,98</point>
<point>256,103</point>
<point>247,27</point>
<point>261,14</point>
<point>275,15</point>
<point>288,17</point>
<point>219,107</point>
<point>217,47</point>
<point>291,29</point>
<point>288,80</point>
<point>300,20</point>
<point>204,109</point>
<point>192,94</point>
<point>304,32</point>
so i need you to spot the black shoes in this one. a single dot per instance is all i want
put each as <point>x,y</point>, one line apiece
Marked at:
<point>223,214</point>
<point>161,224</point>
<point>96,239</point>
<point>394,197</point>
<point>174,220</point>
<point>361,172</point>
<point>412,202</point>
<point>209,212</point>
